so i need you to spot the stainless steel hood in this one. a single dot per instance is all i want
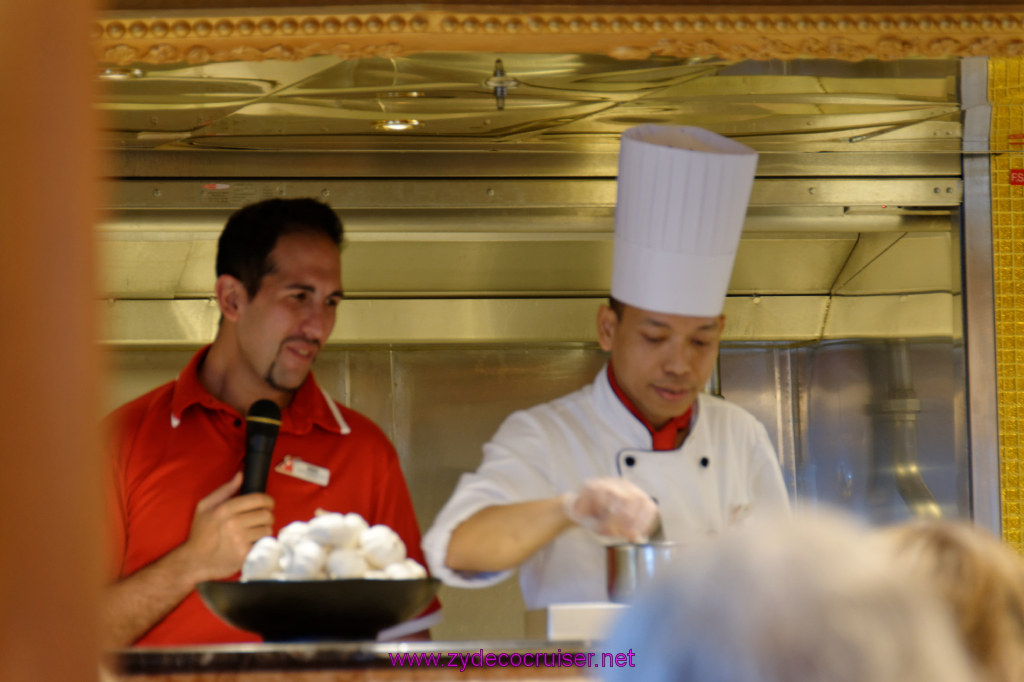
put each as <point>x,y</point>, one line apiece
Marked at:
<point>490,220</point>
<point>486,101</point>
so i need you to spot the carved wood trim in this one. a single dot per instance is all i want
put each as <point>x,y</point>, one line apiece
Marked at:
<point>844,34</point>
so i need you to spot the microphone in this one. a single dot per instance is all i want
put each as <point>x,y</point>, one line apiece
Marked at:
<point>261,425</point>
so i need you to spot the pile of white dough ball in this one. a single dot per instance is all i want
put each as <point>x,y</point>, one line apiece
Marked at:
<point>331,546</point>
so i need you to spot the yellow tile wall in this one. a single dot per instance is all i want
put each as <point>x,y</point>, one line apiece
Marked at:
<point>1006,93</point>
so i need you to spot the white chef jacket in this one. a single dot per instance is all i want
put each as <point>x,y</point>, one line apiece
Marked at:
<point>725,470</point>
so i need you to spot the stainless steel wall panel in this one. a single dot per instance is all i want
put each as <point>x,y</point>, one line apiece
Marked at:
<point>367,384</point>
<point>158,324</point>
<point>574,264</point>
<point>136,371</point>
<point>857,192</point>
<point>769,264</point>
<point>978,311</point>
<point>306,158</point>
<point>516,193</point>
<point>897,316</point>
<point>532,237</point>
<point>760,380</point>
<point>369,322</point>
<point>515,267</point>
<point>849,452</point>
<point>900,263</point>
<point>774,318</point>
<point>186,323</point>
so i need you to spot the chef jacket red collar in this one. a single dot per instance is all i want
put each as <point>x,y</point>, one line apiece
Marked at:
<point>308,406</point>
<point>663,438</point>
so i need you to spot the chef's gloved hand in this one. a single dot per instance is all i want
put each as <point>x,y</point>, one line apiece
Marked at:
<point>613,507</point>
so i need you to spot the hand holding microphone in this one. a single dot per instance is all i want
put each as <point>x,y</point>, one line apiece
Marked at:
<point>226,525</point>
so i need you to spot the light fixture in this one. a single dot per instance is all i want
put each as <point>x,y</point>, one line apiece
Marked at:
<point>394,94</point>
<point>116,73</point>
<point>397,125</point>
<point>500,82</point>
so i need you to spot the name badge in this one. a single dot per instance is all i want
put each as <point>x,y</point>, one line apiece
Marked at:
<point>304,471</point>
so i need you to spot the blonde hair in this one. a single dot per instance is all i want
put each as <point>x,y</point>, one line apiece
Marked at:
<point>981,579</point>
<point>812,598</point>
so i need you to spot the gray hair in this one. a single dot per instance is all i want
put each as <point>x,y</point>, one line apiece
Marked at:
<point>800,599</point>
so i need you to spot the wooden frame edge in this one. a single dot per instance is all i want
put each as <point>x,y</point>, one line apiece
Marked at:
<point>195,38</point>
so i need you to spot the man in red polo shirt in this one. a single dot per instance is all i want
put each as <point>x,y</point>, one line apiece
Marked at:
<point>177,451</point>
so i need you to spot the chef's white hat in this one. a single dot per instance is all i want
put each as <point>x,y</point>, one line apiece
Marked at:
<point>682,198</point>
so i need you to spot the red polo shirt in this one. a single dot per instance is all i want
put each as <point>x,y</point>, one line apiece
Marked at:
<point>176,444</point>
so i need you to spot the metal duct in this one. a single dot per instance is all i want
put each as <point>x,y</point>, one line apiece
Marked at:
<point>499,220</point>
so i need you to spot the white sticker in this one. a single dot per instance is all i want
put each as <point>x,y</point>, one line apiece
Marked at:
<point>296,468</point>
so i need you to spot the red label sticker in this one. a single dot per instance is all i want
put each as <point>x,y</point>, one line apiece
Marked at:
<point>1017,176</point>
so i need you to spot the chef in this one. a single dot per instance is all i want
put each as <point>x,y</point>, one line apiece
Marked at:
<point>641,451</point>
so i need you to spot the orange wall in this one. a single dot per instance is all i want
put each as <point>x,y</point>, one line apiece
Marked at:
<point>49,485</point>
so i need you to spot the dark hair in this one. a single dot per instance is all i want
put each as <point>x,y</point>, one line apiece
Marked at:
<point>243,250</point>
<point>617,306</point>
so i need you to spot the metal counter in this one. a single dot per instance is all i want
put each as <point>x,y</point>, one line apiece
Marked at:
<point>367,660</point>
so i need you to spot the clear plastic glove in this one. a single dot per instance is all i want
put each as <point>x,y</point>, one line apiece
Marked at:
<point>613,507</point>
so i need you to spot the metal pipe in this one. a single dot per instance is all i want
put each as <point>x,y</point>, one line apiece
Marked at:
<point>901,408</point>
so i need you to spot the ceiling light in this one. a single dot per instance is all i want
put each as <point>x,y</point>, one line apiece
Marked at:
<point>115,73</point>
<point>397,125</point>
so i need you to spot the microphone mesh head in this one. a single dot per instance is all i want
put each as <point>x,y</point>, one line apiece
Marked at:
<point>265,411</point>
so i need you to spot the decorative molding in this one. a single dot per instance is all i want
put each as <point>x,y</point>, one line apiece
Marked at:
<point>847,35</point>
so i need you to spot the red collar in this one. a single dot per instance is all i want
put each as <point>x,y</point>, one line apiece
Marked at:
<point>308,406</point>
<point>663,438</point>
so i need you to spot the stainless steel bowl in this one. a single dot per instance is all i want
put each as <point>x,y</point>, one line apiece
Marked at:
<point>631,567</point>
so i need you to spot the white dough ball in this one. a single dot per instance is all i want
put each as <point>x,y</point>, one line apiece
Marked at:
<point>414,569</point>
<point>306,561</point>
<point>357,524</point>
<point>261,563</point>
<point>346,563</point>
<point>409,569</point>
<point>329,529</point>
<point>381,546</point>
<point>331,545</point>
<point>397,571</point>
<point>294,533</point>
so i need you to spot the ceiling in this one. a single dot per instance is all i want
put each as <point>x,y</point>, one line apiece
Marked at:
<point>461,101</point>
<point>850,230</point>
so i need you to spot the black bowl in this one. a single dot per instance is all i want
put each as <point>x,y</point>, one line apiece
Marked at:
<point>282,611</point>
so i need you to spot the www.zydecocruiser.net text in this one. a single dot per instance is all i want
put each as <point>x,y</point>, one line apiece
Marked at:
<point>463,660</point>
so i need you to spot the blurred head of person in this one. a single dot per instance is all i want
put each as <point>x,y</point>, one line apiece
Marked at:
<point>981,578</point>
<point>807,598</point>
